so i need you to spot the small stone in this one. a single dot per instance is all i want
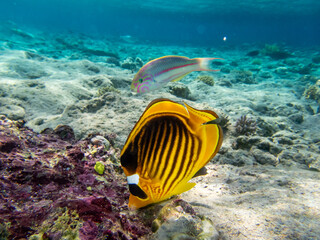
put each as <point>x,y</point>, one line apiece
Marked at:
<point>180,90</point>
<point>100,141</point>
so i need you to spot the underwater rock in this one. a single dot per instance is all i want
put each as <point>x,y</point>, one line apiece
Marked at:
<point>316,59</point>
<point>265,74</point>
<point>114,61</point>
<point>64,132</point>
<point>100,53</point>
<point>263,157</point>
<point>313,92</point>
<point>245,142</point>
<point>180,90</point>
<point>100,141</point>
<point>225,70</point>
<point>281,71</point>
<point>225,83</point>
<point>302,69</point>
<point>96,81</point>
<point>53,192</point>
<point>177,220</point>
<point>13,112</point>
<point>275,52</point>
<point>296,118</point>
<point>244,76</point>
<point>237,158</point>
<point>253,53</point>
<point>119,82</point>
<point>129,64</point>
<point>314,163</point>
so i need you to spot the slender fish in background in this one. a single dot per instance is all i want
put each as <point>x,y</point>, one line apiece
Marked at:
<point>170,144</point>
<point>158,72</point>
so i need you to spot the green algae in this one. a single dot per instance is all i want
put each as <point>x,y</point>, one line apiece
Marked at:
<point>64,222</point>
<point>206,79</point>
<point>99,167</point>
<point>103,90</point>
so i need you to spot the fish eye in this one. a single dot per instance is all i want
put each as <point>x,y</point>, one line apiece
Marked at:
<point>140,80</point>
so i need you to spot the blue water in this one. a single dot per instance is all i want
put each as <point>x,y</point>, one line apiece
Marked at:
<point>182,22</point>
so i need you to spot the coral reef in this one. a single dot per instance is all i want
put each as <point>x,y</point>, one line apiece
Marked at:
<point>51,190</point>
<point>313,92</point>
<point>207,79</point>
<point>245,126</point>
<point>244,76</point>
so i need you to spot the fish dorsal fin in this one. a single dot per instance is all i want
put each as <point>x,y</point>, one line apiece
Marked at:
<point>203,123</point>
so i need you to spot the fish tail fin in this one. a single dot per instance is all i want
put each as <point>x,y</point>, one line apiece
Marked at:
<point>205,64</point>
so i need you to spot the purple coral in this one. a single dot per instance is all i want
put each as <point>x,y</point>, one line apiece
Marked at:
<point>245,126</point>
<point>40,174</point>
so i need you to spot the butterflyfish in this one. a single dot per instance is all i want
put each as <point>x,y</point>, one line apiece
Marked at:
<point>158,72</point>
<point>170,144</point>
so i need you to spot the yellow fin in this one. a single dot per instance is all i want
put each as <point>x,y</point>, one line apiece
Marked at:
<point>182,187</point>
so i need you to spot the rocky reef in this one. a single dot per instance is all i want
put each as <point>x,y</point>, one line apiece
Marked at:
<point>51,189</point>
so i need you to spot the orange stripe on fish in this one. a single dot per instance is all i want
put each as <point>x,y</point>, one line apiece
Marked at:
<point>158,72</point>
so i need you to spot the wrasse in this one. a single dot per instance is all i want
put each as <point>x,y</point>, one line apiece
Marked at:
<point>158,72</point>
<point>170,144</point>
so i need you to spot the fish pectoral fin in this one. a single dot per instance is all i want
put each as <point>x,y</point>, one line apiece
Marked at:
<point>179,78</point>
<point>201,172</point>
<point>183,187</point>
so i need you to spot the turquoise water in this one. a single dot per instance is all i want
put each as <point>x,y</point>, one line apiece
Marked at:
<point>66,108</point>
<point>182,22</point>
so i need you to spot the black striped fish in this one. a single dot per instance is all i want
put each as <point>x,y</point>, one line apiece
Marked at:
<point>170,144</point>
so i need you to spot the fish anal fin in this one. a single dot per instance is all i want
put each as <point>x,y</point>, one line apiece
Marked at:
<point>179,78</point>
<point>201,172</point>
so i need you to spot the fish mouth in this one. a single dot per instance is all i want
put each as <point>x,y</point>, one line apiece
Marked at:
<point>132,87</point>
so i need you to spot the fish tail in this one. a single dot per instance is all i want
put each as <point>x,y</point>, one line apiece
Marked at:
<point>205,64</point>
